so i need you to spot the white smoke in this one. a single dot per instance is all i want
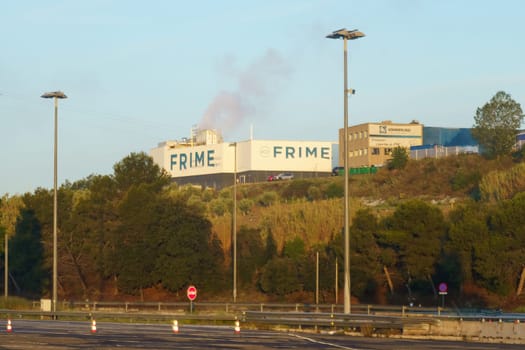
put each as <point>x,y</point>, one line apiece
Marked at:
<point>255,86</point>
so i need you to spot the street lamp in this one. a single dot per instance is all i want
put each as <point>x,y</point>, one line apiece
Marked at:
<point>234,221</point>
<point>6,266</point>
<point>55,95</point>
<point>346,35</point>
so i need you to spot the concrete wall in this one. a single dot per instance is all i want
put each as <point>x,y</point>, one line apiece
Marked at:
<point>484,331</point>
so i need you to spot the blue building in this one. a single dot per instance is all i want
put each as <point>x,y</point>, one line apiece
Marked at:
<point>442,142</point>
<point>448,137</point>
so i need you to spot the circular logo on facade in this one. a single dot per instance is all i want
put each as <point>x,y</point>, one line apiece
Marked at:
<point>265,151</point>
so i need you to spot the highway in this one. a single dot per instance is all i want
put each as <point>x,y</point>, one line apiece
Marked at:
<point>61,335</point>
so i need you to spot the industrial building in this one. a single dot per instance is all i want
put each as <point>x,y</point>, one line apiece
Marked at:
<point>205,160</point>
<point>443,142</point>
<point>371,144</point>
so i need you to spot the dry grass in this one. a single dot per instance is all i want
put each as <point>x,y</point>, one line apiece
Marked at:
<point>442,182</point>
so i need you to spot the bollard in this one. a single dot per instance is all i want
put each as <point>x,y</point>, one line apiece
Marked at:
<point>237,329</point>
<point>9,327</point>
<point>93,326</point>
<point>175,326</point>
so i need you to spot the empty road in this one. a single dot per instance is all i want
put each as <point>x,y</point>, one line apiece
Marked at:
<point>63,335</point>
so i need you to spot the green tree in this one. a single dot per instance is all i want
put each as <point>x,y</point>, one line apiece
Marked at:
<point>334,190</point>
<point>219,206</point>
<point>100,211</point>
<point>245,206</point>
<point>366,266</point>
<point>294,249</point>
<point>506,236</point>
<point>314,193</point>
<point>26,256</point>
<point>415,231</point>
<point>399,158</point>
<point>10,208</point>
<point>139,168</point>
<point>76,263</point>
<point>268,198</point>
<point>467,230</point>
<point>496,125</point>
<point>270,248</point>
<point>280,277</point>
<point>185,249</point>
<point>136,251</point>
<point>250,252</point>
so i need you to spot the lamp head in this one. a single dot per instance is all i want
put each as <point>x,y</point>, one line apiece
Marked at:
<point>54,94</point>
<point>346,34</point>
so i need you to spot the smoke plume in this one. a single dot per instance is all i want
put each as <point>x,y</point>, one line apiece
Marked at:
<point>254,87</point>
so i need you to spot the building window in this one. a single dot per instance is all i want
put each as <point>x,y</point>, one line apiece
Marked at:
<point>375,151</point>
<point>388,151</point>
<point>365,134</point>
<point>365,151</point>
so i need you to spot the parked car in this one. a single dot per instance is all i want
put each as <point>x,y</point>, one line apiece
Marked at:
<point>338,170</point>
<point>284,176</point>
<point>272,178</point>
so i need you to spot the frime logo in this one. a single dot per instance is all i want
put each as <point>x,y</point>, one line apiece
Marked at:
<point>290,152</point>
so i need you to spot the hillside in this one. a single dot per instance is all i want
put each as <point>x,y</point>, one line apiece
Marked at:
<point>313,209</point>
<point>460,219</point>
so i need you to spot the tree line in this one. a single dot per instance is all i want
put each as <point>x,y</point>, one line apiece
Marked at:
<point>134,230</point>
<point>123,233</point>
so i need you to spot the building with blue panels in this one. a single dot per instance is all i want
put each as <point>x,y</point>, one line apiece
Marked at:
<point>448,137</point>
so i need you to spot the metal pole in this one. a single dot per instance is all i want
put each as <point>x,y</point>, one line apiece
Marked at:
<point>235,224</point>
<point>347,307</point>
<point>336,281</point>
<point>55,212</point>
<point>6,262</point>
<point>317,279</point>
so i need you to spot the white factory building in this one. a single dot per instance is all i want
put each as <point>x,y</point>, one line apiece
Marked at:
<point>206,160</point>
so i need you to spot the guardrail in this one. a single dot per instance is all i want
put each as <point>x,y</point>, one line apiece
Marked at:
<point>238,307</point>
<point>337,320</point>
<point>476,325</point>
<point>104,315</point>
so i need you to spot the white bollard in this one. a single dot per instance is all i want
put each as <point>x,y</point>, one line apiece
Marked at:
<point>237,329</point>
<point>93,326</point>
<point>175,326</point>
<point>9,327</point>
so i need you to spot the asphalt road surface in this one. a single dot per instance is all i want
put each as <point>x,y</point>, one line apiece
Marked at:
<point>63,335</point>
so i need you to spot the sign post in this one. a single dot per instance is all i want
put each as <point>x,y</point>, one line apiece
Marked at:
<point>443,290</point>
<point>191,292</point>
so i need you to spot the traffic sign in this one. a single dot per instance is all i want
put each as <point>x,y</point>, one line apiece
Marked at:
<point>192,293</point>
<point>443,288</point>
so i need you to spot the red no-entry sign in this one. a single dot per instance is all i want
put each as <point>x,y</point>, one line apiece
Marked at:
<point>192,293</point>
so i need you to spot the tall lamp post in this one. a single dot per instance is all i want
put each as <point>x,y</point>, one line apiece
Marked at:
<point>346,35</point>
<point>234,221</point>
<point>6,266</point>
<point>55,95</point>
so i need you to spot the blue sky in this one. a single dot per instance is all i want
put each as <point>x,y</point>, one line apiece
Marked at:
<point>137,73</point>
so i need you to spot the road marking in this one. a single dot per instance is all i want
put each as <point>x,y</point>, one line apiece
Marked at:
<point>322,342</point>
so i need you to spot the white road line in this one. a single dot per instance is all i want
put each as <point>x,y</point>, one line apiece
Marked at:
<point>322,342</point>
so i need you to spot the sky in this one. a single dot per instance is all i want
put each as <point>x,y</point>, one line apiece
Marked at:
<point>137,73</point>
